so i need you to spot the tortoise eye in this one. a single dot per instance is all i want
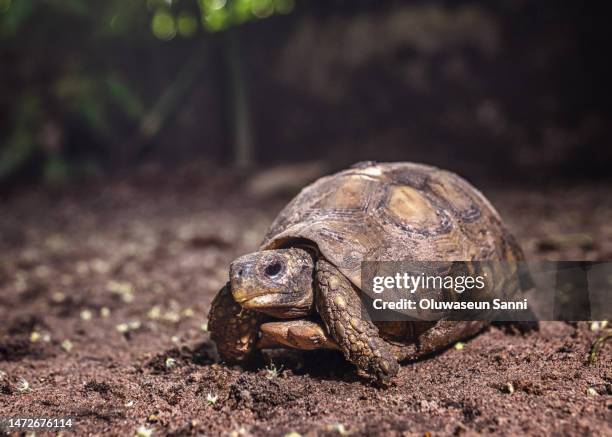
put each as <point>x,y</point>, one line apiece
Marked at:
<point>273,269</point>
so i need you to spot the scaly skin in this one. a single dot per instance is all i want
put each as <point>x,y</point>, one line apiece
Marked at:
<point>233,328</point>
<point>297,334</point>
<point>348,323</point>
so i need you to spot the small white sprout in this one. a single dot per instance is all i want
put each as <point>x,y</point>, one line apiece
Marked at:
<point>143,431</point>
<point>129,326</point>
<point>122,327</point>
<point>170,363</point>
<point>58,297</point>
<point>598,325</point>
<point>67,345</point>
<point>154,313</point>
<point>459,346</point>
<point>128,298</point>
<point>272,371</point>
<point>240,431</point>
<point>123,289</point>
<point>204,327</point>
<point>172,316</point>
<point>129,404</point>
<point>509,388</point>
<point>339,428</point>
<point>23,385</point>
<point>86,315</point>
<point>211,398</point>
<point>117,287</point>
<point>591,392</point>
<point>2,374</point>
<point>105,312</point>
<point>35,336</point>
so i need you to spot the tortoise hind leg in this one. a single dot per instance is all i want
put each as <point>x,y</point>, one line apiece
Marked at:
<point>428,337</point>
<point>445,333</point>
<point>342,311</point>
<point>233,329</point>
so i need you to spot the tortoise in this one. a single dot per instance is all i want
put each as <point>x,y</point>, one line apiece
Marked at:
<point>302,288</point>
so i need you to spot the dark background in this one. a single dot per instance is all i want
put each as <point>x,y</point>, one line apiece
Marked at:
<point>509,91</point>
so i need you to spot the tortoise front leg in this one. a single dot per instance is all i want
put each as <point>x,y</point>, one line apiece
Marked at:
<point>233,329</point>
<point>342,311</point>
<point>297,334</point>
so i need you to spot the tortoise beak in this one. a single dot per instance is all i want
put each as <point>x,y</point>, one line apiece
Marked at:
<point>240,274</point>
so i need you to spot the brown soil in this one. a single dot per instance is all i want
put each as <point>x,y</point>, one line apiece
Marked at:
<point>104,294</point>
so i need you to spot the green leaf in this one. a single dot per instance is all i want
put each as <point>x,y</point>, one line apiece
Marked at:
<point>21,144</point>
<point>187,24</point>
<point>128,101</point>
<point>56,171</point>
<point>94,114</point>
<point>16,152</point>
<point>163,25</point>
<point>16,14</point>
<point>284,6</point>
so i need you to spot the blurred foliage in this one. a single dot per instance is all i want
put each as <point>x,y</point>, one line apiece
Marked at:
<point>71,70</point>
<point>90,87</point>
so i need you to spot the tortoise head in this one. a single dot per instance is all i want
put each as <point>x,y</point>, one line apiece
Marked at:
<point>275,282</point>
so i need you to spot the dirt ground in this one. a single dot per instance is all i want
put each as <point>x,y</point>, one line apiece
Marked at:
<point>104,292</point>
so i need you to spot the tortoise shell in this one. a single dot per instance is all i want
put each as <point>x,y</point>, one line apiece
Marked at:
<point>393,212</point>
